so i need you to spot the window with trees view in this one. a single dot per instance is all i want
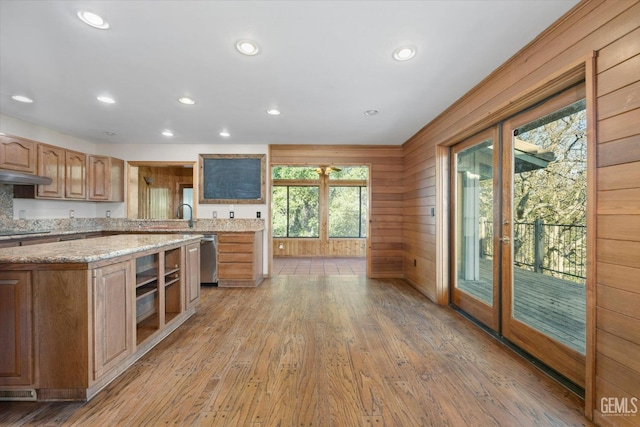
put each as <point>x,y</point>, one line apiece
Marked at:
<point>302,195</point>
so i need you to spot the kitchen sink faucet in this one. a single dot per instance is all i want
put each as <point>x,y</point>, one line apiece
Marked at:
<point>190,213</point>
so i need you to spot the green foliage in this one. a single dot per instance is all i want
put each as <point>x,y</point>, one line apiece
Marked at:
<point>347,211</point>
<point>295,211</point>
<point>294,172</point>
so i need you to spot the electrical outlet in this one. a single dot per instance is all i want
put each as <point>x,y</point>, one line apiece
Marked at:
<point>215,214</point>
<point>22,214</point>
<point>72,213</point>
<point>231,214</point>
<point>108,214</point>
<point>258,214</point>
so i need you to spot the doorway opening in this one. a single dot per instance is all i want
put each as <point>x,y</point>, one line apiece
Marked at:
<point>156,189</point>
<point>319,219</point>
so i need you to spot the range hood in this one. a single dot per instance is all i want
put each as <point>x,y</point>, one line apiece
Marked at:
<point>13,177</point>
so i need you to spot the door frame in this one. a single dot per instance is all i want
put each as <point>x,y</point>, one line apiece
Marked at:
<point>556,355</point>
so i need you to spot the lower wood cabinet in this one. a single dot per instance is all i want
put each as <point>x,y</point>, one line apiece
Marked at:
<point>92,321</point>
<point>192,264</point>
<point>16,350</point>
<point>240,259</point>
<point>113,304</point>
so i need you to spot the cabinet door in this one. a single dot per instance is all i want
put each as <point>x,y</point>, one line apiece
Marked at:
<point>76,175</point>
<point>51,164</point>
<point>16,357</point>
<point>113,308</point>
<point>99,178</point>
<point>17,154</point>
<point>192,273</point>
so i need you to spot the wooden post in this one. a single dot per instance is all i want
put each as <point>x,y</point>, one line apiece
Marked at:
<point>538,245</point>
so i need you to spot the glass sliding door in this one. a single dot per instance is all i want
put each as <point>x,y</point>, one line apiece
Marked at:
<point>544,299</point>
<point>474,189</point>
<point>518,219</point>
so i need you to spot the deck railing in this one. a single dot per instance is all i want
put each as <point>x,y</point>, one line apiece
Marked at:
<point>559,250</point>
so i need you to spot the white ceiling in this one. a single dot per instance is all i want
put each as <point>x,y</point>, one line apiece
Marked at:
<point>322,63</point>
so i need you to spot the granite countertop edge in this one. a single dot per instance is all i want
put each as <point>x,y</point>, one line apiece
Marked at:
<point>88,250</point>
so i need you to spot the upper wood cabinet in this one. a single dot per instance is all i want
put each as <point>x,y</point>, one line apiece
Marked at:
<point>66,168</point>
<point>106,178</point>
<point>51,163</point>
<point>17,154</point>
<point>75,175</point>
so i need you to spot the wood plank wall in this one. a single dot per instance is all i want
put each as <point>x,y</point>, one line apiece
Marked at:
<point>385,189</point>
<point>159,200</point>
<point>294,247</point>
<point>611,29</point>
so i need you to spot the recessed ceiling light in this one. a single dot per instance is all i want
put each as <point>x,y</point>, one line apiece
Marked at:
<point>248,47</point>
<point>273,112</point>
<point>224,133</point>
<point>22,98</point>
<point>106,99</point>
<point>167,132</point>
<point>404,53</point>
<point>371,112</point>
<point>93,20</point>
<point>186,100</point>
<point>110,133</point>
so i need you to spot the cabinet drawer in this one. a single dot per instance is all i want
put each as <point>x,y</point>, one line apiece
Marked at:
<point>235,238</point>
<point>235,271</point>
<point>235,248</point>
<point>235,257</point>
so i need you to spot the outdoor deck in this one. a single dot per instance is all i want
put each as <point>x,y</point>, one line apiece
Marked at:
<point>555,307</point>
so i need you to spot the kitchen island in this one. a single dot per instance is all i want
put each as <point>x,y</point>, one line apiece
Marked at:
<point>76,314</point>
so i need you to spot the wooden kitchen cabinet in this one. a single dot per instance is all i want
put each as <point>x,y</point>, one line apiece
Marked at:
<point>51,163</point>
<point>16,357</point>
<point>240,259</point>
<point>106,178</point>
<point>17,154</point>
<point>75,175</point>
<point>113,308</point>
<point>192,266</point>
<point>82,312</point>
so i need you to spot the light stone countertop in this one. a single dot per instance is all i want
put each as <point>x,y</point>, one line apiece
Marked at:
<point>91,250</point>
<point>24,229</point>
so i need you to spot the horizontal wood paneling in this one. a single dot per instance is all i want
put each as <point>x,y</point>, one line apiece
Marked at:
<point>386,189</point>
<point>616,177</point>
<point>619,227</point>
<point>612,30</point>
<point>619,202</point>
<point>312,247</point>
<point>625,150</point>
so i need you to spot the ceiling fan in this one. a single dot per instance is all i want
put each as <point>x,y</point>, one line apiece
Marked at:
<point>326,170</point>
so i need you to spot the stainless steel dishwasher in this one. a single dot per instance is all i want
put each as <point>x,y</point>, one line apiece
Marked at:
<point>209,259</point>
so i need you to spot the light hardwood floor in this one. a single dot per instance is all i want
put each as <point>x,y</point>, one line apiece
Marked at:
<point>319,266</point>
<point>320,351</point>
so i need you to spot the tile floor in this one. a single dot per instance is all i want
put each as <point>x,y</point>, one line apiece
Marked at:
<point>319,266</point>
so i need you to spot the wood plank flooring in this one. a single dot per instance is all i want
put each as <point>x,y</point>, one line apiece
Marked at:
<point>320,351</point>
